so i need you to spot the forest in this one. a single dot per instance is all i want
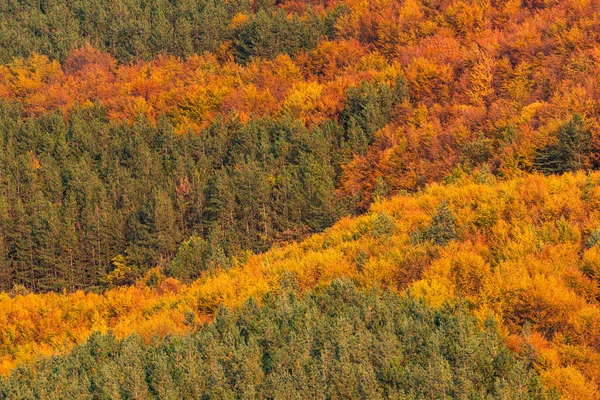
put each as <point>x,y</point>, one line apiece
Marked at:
<point>292,348</point>
<point>200,190</point>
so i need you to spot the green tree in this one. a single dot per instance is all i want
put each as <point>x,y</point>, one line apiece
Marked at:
<point>442,227</point>
<point>572,149</point>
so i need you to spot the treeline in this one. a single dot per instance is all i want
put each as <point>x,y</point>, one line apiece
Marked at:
<point>77,192</point>
<point>336,342</point>
<point>140,30</point>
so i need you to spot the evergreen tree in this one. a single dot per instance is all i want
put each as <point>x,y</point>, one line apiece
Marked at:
<point>443,227</point>
<point>571,152</point>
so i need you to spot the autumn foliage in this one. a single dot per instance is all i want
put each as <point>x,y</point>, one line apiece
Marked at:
<point>192,92</point>
<point>522,250</point>
<point>487,83</point>
<point>466,132</point>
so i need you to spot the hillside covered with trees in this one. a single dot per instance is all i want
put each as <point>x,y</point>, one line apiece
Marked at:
<point>522,252</point>
<point>333,343</point>
<point>114,143</point>
<point>190,180</point>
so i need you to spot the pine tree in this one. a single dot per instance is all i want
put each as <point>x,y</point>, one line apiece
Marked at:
<point>443,227</point>
<point>571,152</point>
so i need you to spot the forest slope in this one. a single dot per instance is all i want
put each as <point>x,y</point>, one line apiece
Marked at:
<point>337,342</point>
<point>131,126</point>
<point>524,250</point>
<point>152,153</point>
